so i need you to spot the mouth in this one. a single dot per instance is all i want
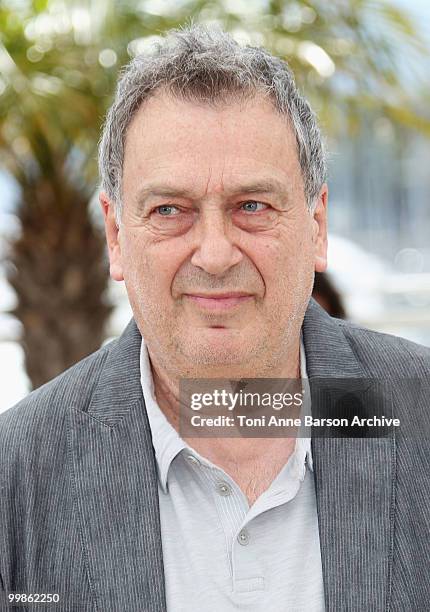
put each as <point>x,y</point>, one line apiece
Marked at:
<point>219,302</point>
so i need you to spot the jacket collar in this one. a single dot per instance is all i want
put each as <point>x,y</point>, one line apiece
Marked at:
<point>354,482</point>
<point>114,469</point>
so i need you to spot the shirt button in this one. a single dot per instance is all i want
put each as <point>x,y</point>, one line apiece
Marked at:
<point>193,460</point>
<point>223,488</point>
<point>243,537</point>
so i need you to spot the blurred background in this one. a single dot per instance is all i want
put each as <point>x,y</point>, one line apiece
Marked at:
<point>363,64</point>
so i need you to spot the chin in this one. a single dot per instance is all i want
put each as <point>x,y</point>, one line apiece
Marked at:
<point>217,347</point>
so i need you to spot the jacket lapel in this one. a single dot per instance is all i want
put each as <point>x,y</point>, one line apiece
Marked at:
<point>114,470</point>
<point>354,480</point>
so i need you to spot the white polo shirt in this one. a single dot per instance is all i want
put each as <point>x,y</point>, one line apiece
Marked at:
<point>220,554</point>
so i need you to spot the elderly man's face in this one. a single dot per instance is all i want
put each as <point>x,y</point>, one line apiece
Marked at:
<point>214,205</point>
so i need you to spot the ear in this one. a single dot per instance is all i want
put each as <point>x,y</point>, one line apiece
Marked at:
<point>112,237</point>
<point>319,230</point>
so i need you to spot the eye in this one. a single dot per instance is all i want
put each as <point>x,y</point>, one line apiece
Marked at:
<point>165,210</point>
<point>252,206</point>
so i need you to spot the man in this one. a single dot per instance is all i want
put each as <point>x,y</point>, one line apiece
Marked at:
<point>214,201</point>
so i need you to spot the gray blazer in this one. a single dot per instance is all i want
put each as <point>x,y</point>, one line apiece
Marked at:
<point>79,502</point>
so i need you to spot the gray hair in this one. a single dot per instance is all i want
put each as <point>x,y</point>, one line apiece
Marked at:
<point>196,63</point>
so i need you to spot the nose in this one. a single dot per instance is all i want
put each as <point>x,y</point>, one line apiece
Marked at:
<point>215,252</point>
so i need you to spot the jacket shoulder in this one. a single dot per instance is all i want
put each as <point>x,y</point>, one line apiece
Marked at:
<point>385,354</point>
<point>44,409</point>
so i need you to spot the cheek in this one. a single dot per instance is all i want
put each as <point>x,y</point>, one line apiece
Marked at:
<point>286,265</point>
<point>135,263</point>
<point>279,257</point>
<point>149,269</point>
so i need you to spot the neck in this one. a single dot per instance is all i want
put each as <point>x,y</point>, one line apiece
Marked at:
<point>244,451</point>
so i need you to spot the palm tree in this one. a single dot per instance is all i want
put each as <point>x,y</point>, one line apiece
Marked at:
<point>57,72</point>
<point>56,263</point>
<point>350,58</point>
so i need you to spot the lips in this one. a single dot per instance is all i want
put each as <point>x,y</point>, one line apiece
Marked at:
<point>220,301</point>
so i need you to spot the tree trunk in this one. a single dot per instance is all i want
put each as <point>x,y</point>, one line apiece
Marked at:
<point>59,272</point>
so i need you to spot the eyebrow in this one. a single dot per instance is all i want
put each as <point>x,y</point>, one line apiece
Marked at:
<point>164,190</point>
